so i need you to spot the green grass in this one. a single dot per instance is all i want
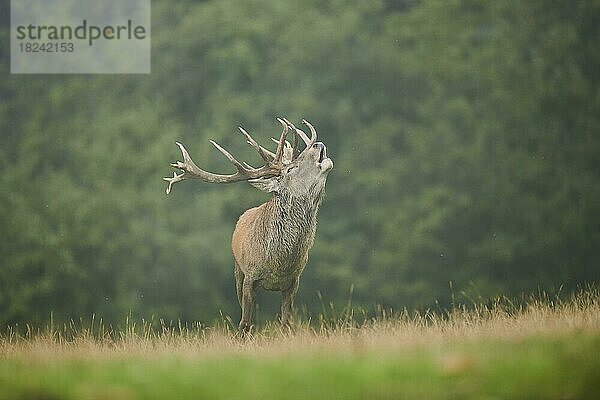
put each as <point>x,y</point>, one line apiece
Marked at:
<point>545,350</point>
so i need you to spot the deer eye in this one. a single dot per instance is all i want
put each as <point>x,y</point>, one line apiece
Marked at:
<point>289,169</point>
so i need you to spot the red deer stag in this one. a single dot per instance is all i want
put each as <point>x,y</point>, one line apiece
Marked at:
<point>270,242</point>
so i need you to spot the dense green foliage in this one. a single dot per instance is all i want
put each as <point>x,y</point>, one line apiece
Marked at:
<point>465,136</point>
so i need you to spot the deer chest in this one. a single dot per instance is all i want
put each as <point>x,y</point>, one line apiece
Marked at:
<point>281,269</point>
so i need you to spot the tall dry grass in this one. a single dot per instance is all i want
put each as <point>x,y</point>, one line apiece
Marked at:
<point>501,320</point>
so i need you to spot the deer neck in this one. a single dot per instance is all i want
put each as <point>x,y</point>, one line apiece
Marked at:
<point>293,219</point>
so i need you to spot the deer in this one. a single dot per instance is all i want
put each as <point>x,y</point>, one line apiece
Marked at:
<point>271,242</point>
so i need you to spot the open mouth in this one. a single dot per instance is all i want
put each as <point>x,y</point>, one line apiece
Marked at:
<point>325,163</point>
<point>323,154</point>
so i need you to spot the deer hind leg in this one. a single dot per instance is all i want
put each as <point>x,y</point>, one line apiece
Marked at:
<point>248,297</point>
<point>287,302</point>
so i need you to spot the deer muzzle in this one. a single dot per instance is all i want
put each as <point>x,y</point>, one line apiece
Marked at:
<point>325,162</point>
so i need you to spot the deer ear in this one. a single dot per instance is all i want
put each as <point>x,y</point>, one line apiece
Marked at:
<point>266,184</point>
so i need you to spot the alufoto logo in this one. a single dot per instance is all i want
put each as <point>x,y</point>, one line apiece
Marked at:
<point>86,32</point>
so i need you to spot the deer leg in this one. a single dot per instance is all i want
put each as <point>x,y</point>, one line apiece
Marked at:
<point>239,281</point>
<point>248,296</point>
<point>287,302</point>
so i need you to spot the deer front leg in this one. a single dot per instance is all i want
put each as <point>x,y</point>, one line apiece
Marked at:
<point>287,302</point>
<point>248,296</point>
<point>239,282</point>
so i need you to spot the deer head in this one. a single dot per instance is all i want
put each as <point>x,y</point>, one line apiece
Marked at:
<point>288,170</point>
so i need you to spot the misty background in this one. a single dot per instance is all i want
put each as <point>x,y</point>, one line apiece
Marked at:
<point>465,137</point>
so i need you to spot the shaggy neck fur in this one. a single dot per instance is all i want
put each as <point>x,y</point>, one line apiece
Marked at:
<point>292,222</point>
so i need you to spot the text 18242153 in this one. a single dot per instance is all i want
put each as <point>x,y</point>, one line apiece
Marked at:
<point>46,47</point>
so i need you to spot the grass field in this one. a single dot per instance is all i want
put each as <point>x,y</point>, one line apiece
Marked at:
<point>541,350</point>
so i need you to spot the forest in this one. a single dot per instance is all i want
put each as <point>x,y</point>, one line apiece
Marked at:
<point>465,137</point>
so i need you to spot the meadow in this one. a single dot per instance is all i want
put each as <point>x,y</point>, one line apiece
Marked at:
<point>539,348</point>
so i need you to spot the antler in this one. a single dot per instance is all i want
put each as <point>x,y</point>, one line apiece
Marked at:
<point>299,132</point>
<point>272,167</point>
<point>266,155</point>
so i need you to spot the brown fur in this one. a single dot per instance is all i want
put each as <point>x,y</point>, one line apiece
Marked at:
<point>271,242</point>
